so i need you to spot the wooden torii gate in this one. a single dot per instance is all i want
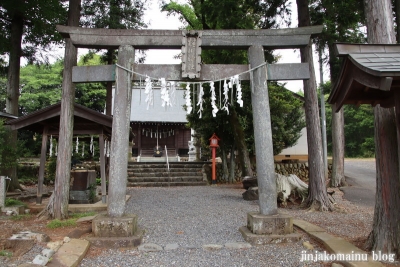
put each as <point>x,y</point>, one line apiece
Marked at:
<point>191,43</point>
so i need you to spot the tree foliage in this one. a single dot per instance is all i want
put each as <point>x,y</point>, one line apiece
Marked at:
<point>240,15</point>
<point>38,18</point>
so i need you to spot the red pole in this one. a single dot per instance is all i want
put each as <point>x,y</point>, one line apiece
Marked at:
<point>213,172</point>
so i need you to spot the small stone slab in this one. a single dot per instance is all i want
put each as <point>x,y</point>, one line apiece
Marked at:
<point>86,219</point>
<point>238,245</point>
<point>70,254</point>
<point>306,226</point>
<point>212,247</point>
<point>171,246</point>
<point>150,247</point>
<point>267,239</point>
<point>40,260</point>
<point>48,253</point>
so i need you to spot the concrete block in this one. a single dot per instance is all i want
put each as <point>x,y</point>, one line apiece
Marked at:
<point>269,224</point>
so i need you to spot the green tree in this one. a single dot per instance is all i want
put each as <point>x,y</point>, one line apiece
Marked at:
<point>342,20</point>
<point>112,14</point>
<point>26,27</point>
<point>236,127</point>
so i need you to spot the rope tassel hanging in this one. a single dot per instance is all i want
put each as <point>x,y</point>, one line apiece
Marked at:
<point>188,100</point>
<point>149,92</point>
<point>201,100</point>
<point>213,99</point>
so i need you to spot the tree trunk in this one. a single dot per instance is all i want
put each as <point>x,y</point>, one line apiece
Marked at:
<point>338,141</point>
<point>13,89</point>
<point>240,143</point>
<point>385,235</point>
<point>232,166</point>
<point>338,178</point>
<point>225,171</point>
<point>109,85</point>
<point>58,203</point>
<point>317,195</point>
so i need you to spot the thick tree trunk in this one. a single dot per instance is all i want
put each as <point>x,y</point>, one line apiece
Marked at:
<point>338,141</point>
<point>338,178</point>
<point>240,144</point>
<point>13,89</point>
<point>385,235</point>
<point>225,171</point>
<point>58,203</point>
<point>317,197</point>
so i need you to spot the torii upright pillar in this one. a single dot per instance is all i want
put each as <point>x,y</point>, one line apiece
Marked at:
<point>116,224</point>
<point>120,133</point>
<point>266,226</point>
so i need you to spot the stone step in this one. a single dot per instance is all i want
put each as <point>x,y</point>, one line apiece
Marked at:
<point>163,174</point>
<point>165,184</point>
<point>165,179</point>
<point>163,165</point>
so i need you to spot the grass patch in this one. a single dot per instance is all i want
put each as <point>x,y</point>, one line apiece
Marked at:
<point>58,223</point>
<point>14,202</point>
<point>69,222</point>
<point>5,253</point>
<point>83,214</point>
<point>21,217</point>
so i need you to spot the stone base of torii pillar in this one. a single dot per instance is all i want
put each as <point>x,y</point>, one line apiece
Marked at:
<point>267,229</point>
<point>116,232</point>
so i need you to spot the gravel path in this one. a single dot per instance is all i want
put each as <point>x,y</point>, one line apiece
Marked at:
<point>192,217</point>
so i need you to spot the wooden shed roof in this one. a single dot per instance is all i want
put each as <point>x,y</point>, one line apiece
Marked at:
<point>86,121</point>
<point>7,116</point>
<point>369,75</point>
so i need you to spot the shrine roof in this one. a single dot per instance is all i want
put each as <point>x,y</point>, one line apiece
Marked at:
<point>369,75</point>
<point>156,112</point>
<point>86,120</point>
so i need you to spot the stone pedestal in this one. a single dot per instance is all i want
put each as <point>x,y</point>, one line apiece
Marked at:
<point>265,229</point>
<point>115,231</point>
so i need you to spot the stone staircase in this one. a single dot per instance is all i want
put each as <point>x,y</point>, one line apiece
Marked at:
<point>155,174</point>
